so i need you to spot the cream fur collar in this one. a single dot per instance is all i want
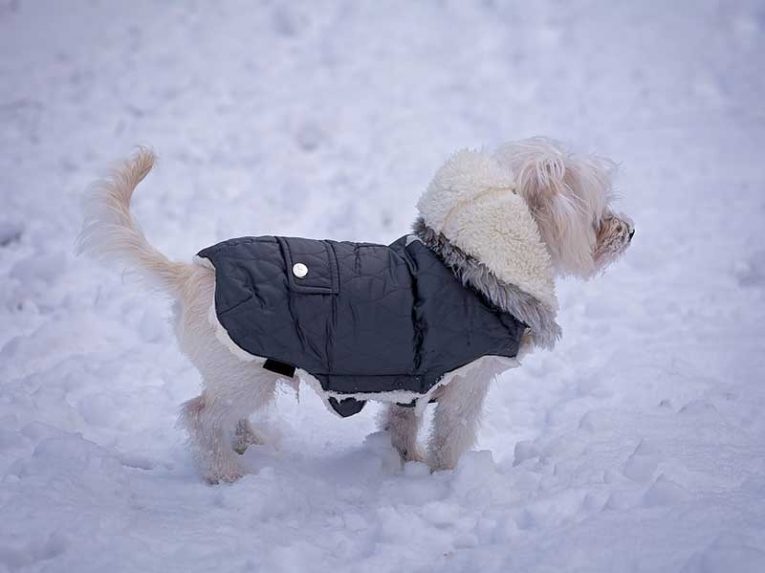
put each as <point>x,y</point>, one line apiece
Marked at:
<point>472,217</point>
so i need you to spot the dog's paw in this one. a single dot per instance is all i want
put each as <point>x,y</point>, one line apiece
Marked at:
<point>228,476</point>
<point>438,462</point>
<point>414,454</point>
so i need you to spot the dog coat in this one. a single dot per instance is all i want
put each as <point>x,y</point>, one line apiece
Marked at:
<point>363,319</point>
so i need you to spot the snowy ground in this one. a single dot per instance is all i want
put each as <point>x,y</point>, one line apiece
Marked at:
<point>637,445</point>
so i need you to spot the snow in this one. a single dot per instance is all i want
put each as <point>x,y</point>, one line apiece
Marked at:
<point>637,445</point>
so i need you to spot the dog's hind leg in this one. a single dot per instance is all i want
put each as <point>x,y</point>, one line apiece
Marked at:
<point>212,418</point>
<point>403,424</point>
<point>455,422</point>
<point>216,420</point>
<point>207,423</point>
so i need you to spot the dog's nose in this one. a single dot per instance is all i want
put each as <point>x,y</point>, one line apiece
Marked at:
<point>632,233</point>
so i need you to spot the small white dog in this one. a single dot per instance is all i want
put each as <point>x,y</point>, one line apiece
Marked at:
<point>433,317</point>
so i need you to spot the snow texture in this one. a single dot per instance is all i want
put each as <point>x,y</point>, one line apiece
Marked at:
<point>637,445</point>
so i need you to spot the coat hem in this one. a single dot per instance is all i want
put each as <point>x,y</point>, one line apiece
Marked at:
<point>420,400</point>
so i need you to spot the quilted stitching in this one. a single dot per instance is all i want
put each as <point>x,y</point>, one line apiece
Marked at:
<point>366,318</point>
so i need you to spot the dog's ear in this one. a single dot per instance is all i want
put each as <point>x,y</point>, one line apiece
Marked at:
<point>539,168</point>
<point>565,195</point>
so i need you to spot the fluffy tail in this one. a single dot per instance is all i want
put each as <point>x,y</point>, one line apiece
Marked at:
<point>109,231</point>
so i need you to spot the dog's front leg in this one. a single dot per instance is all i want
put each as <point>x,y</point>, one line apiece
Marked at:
<point>455,422</point>
<point>403,424</point>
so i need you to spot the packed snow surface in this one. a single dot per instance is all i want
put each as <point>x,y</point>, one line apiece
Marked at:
<point>637,445</point>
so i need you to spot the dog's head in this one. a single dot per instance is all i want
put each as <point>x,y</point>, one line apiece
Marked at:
<point>569,197</point>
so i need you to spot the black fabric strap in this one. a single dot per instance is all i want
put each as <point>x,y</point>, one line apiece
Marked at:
<point>279,367</point>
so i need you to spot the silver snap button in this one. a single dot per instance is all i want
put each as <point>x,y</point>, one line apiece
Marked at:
<point>299,270</point>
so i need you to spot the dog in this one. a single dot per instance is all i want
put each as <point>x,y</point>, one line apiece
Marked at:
<point>431,318</point>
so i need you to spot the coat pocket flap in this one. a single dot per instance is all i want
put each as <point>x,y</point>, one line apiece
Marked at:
<point>311,265</point>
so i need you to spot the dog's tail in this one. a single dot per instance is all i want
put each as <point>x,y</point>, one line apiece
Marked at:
<point>109,231</point>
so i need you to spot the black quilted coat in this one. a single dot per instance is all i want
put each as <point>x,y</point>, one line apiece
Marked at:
<point>361,318</point>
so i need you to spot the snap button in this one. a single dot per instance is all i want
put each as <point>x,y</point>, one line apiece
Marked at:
<point>299,270</point>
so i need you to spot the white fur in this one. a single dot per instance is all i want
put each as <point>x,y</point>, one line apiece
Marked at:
<point>567,195</point>
<point>526,213</point>
<point>110,232</point>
